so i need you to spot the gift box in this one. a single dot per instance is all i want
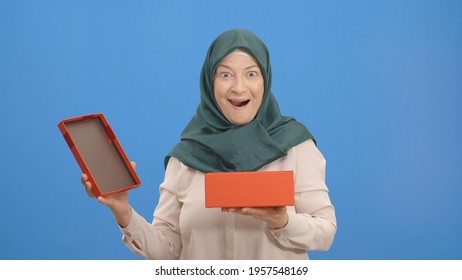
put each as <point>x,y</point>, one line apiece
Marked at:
<point>99,154</point>
<point>249,189</point>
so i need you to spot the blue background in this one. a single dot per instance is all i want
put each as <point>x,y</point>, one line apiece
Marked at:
<point>379,84</point>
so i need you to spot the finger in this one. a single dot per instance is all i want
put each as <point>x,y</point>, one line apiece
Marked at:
<point>265,210</point>
<point>253,211</point>
<point>84,178</point>
<point>233,210</point>
<point>102,200</point>
<point>88,189</point>
<point>105,201</point>
<point>243,211</point>
<point>258,212</point>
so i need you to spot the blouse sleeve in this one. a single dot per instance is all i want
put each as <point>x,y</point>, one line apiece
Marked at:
<point>161,239</point>
<point>313,224</point>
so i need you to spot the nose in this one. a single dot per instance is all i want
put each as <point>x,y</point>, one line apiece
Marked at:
<point>239,85</point>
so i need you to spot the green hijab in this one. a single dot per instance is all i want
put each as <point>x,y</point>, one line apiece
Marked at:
<point>210,143</point>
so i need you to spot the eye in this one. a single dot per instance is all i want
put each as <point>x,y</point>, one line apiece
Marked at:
<point>252,74</point>
<point>225,75</point>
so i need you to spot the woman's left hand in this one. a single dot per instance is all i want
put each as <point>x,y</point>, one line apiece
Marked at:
<point>275,217</point>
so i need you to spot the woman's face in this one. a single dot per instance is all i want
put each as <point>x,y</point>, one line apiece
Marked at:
<point>239,87</point>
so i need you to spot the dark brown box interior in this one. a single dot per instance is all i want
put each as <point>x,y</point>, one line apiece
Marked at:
<point>100,155</point>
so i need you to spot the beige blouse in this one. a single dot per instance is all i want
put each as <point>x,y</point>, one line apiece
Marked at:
<point>184,229</point>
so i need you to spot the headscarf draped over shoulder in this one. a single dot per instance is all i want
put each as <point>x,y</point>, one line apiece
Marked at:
<point>210,143</point>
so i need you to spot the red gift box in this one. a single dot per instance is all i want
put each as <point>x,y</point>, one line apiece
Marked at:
<point>249,189</point>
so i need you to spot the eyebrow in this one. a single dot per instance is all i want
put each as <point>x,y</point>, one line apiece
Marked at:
<point>248,67</point>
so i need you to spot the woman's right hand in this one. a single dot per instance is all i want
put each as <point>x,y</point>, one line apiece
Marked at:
<point>117,202</point>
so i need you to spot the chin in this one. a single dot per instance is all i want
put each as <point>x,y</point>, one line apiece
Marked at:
<point>239,122</point>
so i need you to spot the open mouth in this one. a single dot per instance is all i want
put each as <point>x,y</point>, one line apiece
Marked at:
<point>239,103</point>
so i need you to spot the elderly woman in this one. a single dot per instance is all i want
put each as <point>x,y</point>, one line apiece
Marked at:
<point>237,127</point>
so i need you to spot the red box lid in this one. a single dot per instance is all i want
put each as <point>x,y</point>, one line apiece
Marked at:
<point>99,154</point>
